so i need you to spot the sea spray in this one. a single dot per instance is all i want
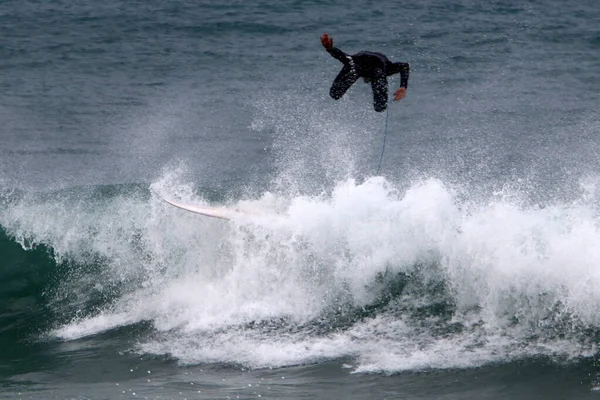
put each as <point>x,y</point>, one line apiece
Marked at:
<point>396,279</point>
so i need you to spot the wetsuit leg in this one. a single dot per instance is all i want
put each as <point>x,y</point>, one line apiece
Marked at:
<point>380,91</point>
<point>342,82</point>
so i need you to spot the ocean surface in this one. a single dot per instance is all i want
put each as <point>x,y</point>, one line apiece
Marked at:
<point>467,268</point>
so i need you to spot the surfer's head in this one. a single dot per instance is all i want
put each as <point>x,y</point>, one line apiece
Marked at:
<point>367,80</point>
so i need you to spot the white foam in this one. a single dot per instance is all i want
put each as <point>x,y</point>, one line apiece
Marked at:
<point>206,285</point>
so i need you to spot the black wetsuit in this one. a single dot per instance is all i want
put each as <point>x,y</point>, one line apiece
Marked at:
<point>373,66</point>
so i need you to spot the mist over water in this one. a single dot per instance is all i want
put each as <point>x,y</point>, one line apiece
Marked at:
<point>401,274</point>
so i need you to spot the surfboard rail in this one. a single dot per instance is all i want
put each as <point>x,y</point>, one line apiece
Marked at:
<point>213,212</point>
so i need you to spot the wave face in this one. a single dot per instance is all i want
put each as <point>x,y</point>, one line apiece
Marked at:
<point>392,279</point>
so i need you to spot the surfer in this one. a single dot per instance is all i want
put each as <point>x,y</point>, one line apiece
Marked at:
<point>373,67</point>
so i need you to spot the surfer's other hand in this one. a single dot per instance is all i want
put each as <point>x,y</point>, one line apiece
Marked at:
<point>326,41</point>
<point>399,94</point>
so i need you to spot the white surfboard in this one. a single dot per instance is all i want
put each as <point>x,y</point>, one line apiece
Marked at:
<point>214,212</point>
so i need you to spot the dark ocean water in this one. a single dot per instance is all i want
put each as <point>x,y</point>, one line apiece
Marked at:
<point>468,268</point>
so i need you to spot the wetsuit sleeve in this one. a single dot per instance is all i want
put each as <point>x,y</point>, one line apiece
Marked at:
<point>403,69</point>
<point>339,55</point>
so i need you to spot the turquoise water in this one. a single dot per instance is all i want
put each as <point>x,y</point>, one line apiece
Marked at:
<point>466,269</point>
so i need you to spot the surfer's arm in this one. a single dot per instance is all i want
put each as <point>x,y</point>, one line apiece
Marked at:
<point>404,70</point>
<point>339,55</point>
<point>336,53</point>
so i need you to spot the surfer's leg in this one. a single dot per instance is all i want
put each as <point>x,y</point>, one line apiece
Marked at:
<point>380,91</point>
<point>342,82</point>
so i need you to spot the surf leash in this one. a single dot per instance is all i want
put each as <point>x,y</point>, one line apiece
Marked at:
<point>387,114</point>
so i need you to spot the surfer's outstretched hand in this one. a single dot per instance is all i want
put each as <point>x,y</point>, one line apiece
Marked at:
<point>399,94</point>
<point>326,41</point>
